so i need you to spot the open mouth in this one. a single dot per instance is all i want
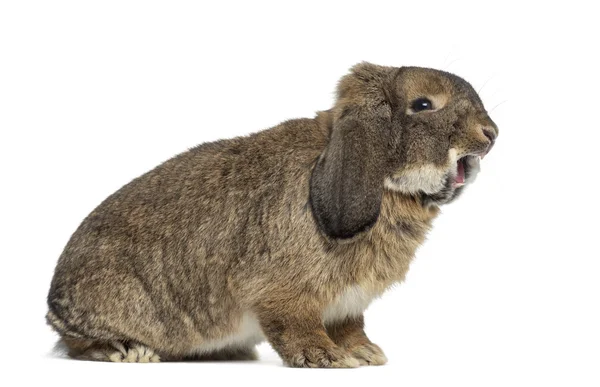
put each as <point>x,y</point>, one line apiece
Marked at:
<point>463,168</point>
<point>459,180</point>
<point>467,168</point>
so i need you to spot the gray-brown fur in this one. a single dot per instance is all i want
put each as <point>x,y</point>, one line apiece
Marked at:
<point>270,229</point>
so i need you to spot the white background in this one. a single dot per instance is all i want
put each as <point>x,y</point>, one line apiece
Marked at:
<point>505,291</point>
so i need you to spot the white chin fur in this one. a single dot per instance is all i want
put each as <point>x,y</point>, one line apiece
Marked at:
<point>428,178</point>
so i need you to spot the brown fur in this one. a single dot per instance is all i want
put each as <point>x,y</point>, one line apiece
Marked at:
<point>270,228</point>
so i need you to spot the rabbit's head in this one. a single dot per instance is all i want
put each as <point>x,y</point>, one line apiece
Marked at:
<point>417,131</point>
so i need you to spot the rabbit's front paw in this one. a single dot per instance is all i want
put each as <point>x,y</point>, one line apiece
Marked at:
<point>318,357</point>
<point>369,354</point>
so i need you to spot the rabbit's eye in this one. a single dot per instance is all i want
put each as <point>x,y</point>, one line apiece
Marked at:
<point>421,104</point>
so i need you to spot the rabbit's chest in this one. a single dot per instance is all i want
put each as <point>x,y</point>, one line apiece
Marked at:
<point>247,333</point>
<point>351,302</point>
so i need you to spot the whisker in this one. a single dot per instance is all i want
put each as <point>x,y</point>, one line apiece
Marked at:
<point>497,106</point>
<point>451,63</point>
<point>485,83</point>
<point>447,56</point>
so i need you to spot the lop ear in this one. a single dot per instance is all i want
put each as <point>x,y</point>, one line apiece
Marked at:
<point>347,181</point>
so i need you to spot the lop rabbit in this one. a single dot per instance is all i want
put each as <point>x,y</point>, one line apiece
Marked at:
<point>284,235</point>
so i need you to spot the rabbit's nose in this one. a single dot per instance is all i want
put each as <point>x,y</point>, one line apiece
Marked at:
<point>491,135</point>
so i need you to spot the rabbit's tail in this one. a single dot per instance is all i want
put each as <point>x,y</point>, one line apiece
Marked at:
<point>60,326</point>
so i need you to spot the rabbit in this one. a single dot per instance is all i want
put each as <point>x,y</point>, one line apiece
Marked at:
<point>285,235</point>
